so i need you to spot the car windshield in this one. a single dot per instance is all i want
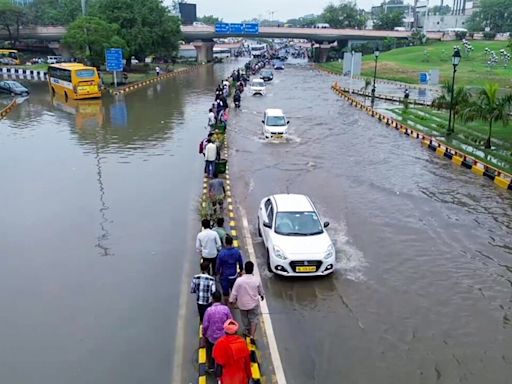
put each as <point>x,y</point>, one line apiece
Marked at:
<point>258,83</point>
<point>275,121</point>
<point>266,73</point>
<point>298,224</point>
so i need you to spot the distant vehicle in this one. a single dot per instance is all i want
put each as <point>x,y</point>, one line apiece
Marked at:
<point>267,75</point>
<point>198,24</point>
<point>399,29</point>
<point>455,30</point>
<point>9,57</point>
<point>258,50</point>
<point>278,65</point>
<point>294,237</point>
<point>275,125</point>
<point>13,88</point>
<point>74,81</point>
<point>221,53</point>
<point>54,59</point>
<point>257,87</point>
<point>321,25</point>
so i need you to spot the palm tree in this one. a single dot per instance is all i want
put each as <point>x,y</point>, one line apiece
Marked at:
<point>489,107</point>
<point>461,98</point>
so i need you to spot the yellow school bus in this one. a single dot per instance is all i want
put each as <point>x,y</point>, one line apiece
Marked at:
<point>74,81</point>
<point>10,56</point>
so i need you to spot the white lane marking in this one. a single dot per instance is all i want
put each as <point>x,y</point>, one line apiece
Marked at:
<point>269,330</point>
<point>179,345</point>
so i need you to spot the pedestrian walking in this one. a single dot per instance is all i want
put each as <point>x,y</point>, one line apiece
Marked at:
<point>232,356</point>
<point>208,245</point>
<point>247,292</point>
<point>211,119</point>
<point>229,267</point>
<point>203,286</point>
<point>210,155</point>
<point>213,325</point>
<point>157,70</point>
<point>221,231</point>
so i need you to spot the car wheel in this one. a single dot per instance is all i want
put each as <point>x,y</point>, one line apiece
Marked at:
<point>269,266</point>
<point>259,228</point>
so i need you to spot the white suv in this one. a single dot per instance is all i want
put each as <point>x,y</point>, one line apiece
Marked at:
<point>275,125</point>
<point>295,239</point>
<point>257,87</point>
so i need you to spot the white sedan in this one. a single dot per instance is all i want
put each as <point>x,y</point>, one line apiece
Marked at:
<point>295,239</point>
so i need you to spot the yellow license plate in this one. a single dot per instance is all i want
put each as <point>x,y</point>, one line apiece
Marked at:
<point>88,89</point>
<point>306,269</point>
<point>277,136</point>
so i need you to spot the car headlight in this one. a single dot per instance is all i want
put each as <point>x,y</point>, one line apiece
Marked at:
<point>279,253</point>
<point>329,253</point>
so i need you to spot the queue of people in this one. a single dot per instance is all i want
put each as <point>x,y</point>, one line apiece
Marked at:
<point>226,285</point>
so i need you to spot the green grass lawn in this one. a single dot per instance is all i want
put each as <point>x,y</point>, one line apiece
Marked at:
<point>404,64</point>
<point>467,135</point>
<point>35,67</point>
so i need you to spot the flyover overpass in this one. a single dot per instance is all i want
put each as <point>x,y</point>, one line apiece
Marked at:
<point>202,36</point>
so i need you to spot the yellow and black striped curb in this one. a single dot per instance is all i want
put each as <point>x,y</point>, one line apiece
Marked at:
<point>380,81</point>
<point>385,97</point>
<point>132,87</point>
<point>4,112</point>
<point>500,178</point>
<point>233,231</point>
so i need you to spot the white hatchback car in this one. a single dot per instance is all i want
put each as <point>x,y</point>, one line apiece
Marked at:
<point>296,241</point>
<point>257,87</point>
<point>275,125</point>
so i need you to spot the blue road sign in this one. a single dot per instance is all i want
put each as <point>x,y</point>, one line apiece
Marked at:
<point>114,59</point>
<point>252,28</point>
<point>222,28</point>
<point>423,77</point>
<point>236,28</point>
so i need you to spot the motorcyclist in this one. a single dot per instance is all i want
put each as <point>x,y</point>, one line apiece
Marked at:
<point>237,98</point>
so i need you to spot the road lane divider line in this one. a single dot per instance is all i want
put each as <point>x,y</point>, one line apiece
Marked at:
<point>457,157</point>
<point>267,321</point>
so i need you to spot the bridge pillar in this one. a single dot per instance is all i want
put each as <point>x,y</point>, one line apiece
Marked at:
<point>324,52</point>
<point>204,51</point>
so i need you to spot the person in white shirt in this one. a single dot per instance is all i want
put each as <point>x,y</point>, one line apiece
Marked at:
<point>211,118</point>
<point>157,70</point>
<point>210,155</point>
<point>208,245</point>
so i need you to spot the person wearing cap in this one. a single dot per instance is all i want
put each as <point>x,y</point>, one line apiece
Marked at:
<point>232,356</point>
<point>213,325</point>
<point>246,293</point>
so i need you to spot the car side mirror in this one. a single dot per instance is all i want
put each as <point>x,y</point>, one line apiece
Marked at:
<point>326,224</point>
<point>287,121</point>
<point>266,224</point>
<point>263,121</point>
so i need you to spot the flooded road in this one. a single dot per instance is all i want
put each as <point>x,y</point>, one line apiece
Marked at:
<point>422,291</point>
<point>98,220</point>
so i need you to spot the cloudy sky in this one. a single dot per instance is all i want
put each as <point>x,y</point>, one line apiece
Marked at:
<point>238,10</point>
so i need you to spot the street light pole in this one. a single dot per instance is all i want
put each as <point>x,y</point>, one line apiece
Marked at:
<point>376,54</point>
<point>351,69</point>
<point>455,62</point>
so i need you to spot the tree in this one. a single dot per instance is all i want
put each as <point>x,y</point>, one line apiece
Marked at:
<point>209,20</point>
<point>388,21</point>
<point>11,19</point>
<point>489,107</point>
<point>492,14</point>
<point>461,99</point>
<point>54,12</point>
<point>89,36</point>
<point>344,15</point>
<point>147,27</point>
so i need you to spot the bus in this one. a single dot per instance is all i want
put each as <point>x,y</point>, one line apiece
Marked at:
<point>258,50</point>
<point>9,57</point>
<point>221,53</point>
<point>74,80</point>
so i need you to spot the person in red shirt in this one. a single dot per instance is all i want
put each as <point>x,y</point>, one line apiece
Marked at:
<point>232,354</point>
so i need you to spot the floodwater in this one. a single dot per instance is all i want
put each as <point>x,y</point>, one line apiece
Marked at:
<point>98,222</point>
<point>422,292</point>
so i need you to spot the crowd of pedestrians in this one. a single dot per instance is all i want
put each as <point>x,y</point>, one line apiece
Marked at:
<point>226,287</point>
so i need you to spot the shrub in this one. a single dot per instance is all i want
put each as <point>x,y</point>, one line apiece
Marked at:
<point>460,35</point>
<point>489,35</point>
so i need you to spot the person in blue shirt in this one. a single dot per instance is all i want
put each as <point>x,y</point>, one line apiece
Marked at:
<point>229,267</point>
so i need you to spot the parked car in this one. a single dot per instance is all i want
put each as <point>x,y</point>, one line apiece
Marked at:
<point>278,65</point>
<point>266,75</point>
<point>13,88</point>
<point>54,59</point>
<point>295,239</point>
<point>275,125</point>
<point>257,87</point>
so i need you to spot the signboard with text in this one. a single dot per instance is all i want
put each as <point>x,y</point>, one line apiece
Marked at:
<point>237,28</point>
<point>252,28</point>
<point>114,59</point>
